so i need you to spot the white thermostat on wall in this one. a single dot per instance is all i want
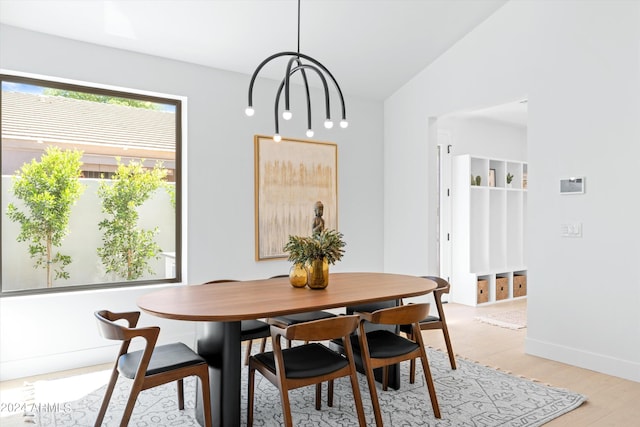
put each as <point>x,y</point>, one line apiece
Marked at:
<point>572,185</point>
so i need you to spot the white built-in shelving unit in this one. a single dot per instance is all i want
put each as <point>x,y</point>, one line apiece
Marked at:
<point>488,230</point>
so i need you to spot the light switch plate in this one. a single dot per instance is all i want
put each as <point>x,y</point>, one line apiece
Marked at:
<point>571,230</point>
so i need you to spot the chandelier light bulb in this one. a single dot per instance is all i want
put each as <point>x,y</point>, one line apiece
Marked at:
<point>277,138</point>
<point>344,124</point>
<point>309,133</point>
<point>328,124</point>
<point>286,114</point>
<point>249,111</point>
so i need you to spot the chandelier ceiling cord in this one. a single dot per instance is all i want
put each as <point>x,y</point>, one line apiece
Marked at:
<point>294,65</point>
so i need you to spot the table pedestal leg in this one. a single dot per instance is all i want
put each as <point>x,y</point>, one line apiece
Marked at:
<point>219,344</point>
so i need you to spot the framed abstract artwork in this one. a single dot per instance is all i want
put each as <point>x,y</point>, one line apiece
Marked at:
<point>291,176</point>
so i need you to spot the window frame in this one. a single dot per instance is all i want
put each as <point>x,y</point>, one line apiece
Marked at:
<point>179,103</point>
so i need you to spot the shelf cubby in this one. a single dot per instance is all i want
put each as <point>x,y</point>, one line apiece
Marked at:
<point>488,228</point>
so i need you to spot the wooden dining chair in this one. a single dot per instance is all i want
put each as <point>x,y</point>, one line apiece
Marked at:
<point>151,366</point>
<point>393,372</point>
<point>381,348</point>
<point>306,364</point>
<point>293,319</point>
<point>250,329</point>
<point>434,322</point>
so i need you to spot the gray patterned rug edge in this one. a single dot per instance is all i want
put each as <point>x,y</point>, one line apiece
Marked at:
<point>471,396</point>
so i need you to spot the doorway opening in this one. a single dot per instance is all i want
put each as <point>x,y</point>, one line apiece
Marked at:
<point>495,135</point>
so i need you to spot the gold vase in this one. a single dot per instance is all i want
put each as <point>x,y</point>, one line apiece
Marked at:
<point>298,275</point>
<point>318,274</point>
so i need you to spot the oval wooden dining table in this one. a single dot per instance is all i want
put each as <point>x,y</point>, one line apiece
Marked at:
<point>223,305</point>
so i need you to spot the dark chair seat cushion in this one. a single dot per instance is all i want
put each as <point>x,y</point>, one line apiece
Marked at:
<point>292,319</point>
<point>253,329</point>
<point>407,328</point>
<point>384,344</point>
<point>164,358</point>
<point>308,360</point>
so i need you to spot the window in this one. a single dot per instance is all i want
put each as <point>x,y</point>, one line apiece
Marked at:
<point>90,190</point>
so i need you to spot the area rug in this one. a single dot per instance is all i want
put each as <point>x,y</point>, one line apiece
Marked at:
<point>473,395</point>
<point>515,319</point>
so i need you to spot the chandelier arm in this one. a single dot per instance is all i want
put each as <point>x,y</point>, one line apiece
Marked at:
<point>327,102</point>
<point>337,86</point>
<point>306,88</point>
<point>276,105</point>
<point>286,81</point>
<point>257,71</point>
<point>301,68</point>
<point>333,79</point>
<point>301,55</point>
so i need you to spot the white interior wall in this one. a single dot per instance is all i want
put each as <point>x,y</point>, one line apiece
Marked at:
<point>485,138</point>
<point>47,333</point>
<point>578,63</point>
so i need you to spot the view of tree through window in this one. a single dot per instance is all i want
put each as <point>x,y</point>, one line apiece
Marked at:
<point>90,192</point>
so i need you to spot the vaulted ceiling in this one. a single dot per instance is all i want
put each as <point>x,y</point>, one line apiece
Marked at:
<point>372,47</point>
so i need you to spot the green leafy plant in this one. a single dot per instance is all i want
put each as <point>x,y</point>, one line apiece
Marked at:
<point>126,247</point>
<point>327,244</point>
<point>48,189</point>
<point>509,178</point>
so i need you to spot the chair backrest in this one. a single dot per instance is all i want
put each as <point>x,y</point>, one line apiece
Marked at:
<point>321,330</point>
<point>111,330</point>
<point>402,315</point>
<point>443,285</point>
<point>372,306</point>
<point>443,288</point>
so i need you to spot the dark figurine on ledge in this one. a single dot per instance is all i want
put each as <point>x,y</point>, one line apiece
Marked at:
<point>318,222</point>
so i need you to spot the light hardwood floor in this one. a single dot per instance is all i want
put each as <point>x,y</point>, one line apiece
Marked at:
<point>611,401</point>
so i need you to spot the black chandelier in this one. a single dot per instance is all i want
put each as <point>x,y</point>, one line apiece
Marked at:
<point>294,65</point>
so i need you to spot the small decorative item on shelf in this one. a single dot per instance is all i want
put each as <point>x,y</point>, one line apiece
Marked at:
<point>316,252</point>
<point>478,180</point>
<point>473,180</point>
<point>509,179</point>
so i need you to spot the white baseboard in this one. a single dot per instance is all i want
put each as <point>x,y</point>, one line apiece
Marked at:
<point>608,365</point>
